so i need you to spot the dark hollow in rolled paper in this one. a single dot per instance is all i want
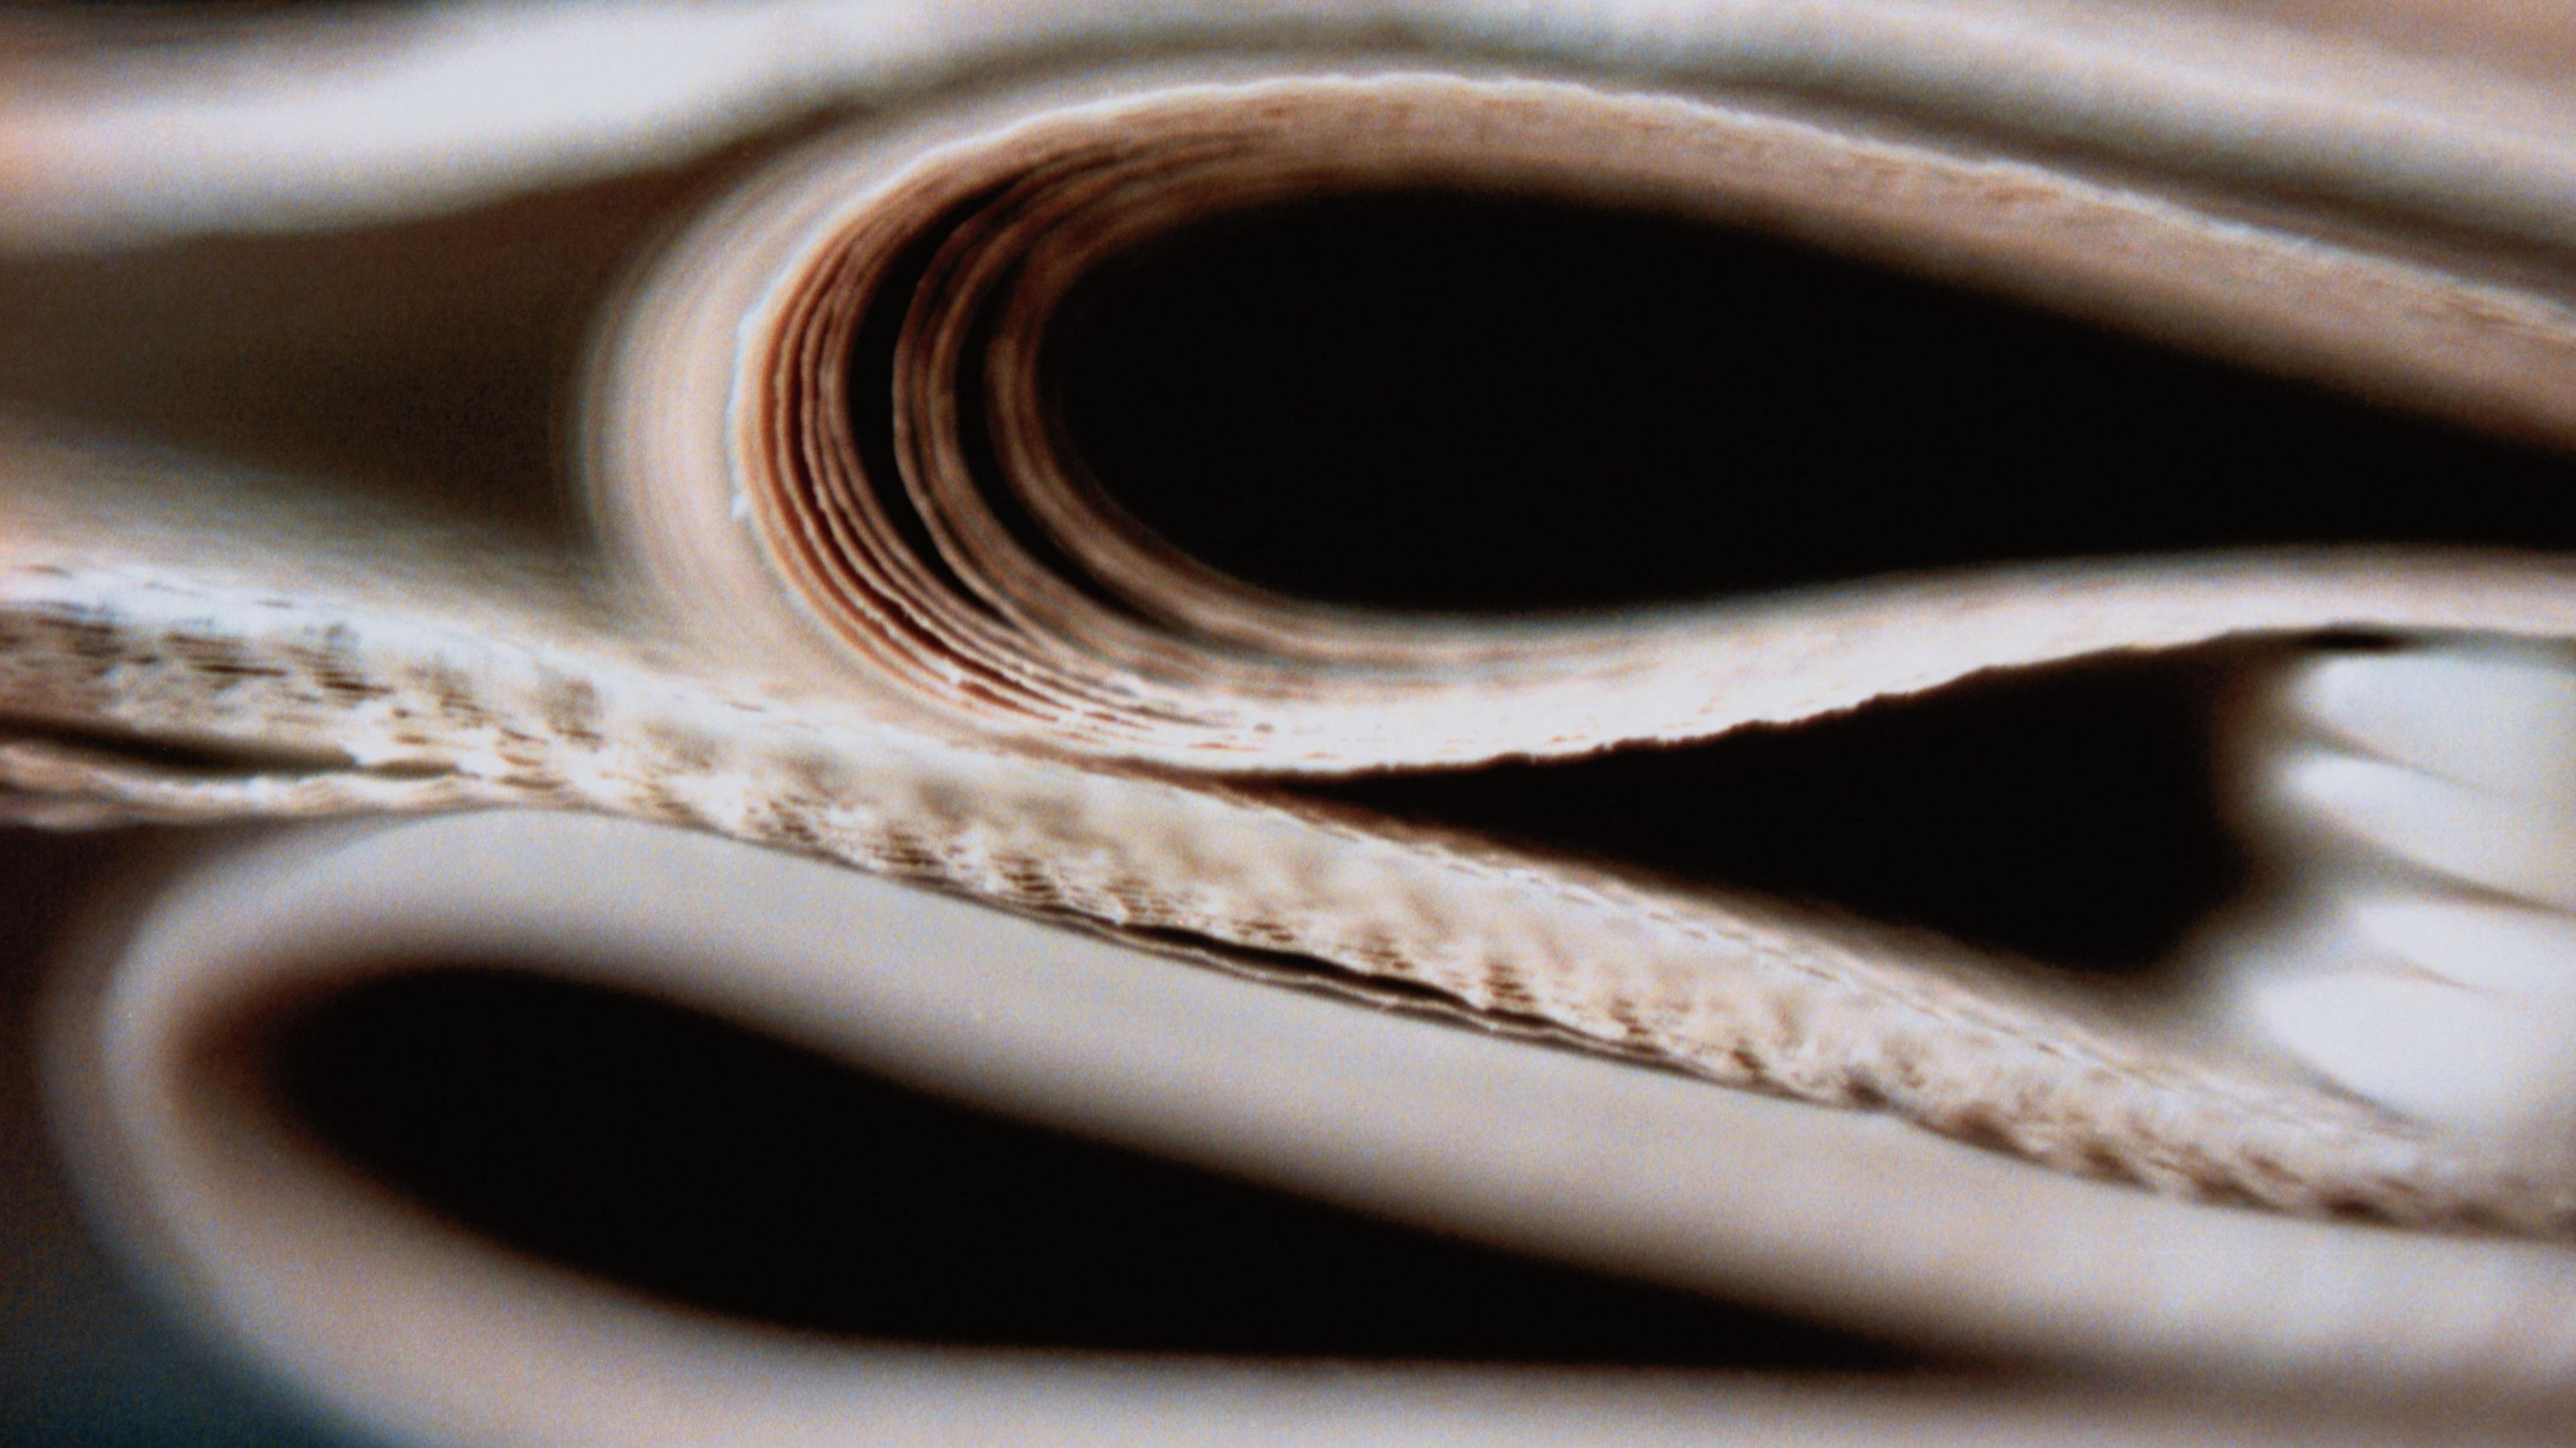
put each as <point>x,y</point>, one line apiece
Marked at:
<point>711,1165</point>
<point>1448,401</point>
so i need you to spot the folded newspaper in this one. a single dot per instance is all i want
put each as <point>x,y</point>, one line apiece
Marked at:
<point>1900,662</point>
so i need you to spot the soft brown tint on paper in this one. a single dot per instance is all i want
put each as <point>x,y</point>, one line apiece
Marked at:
<point>724,475</point>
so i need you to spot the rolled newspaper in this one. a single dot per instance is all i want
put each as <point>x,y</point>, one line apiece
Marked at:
<point>1764,540</point>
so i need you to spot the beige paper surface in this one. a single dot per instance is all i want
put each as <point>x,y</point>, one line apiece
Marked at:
<point>726,485</point>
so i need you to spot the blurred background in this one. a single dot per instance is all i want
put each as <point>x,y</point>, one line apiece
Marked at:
<point>86,1357</point>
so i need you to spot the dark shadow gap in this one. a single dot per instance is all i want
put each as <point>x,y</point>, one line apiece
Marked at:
<point>1475,402</point>
<point>2069,814</point>
<point>206,759</point>
<point>715,1166</point>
